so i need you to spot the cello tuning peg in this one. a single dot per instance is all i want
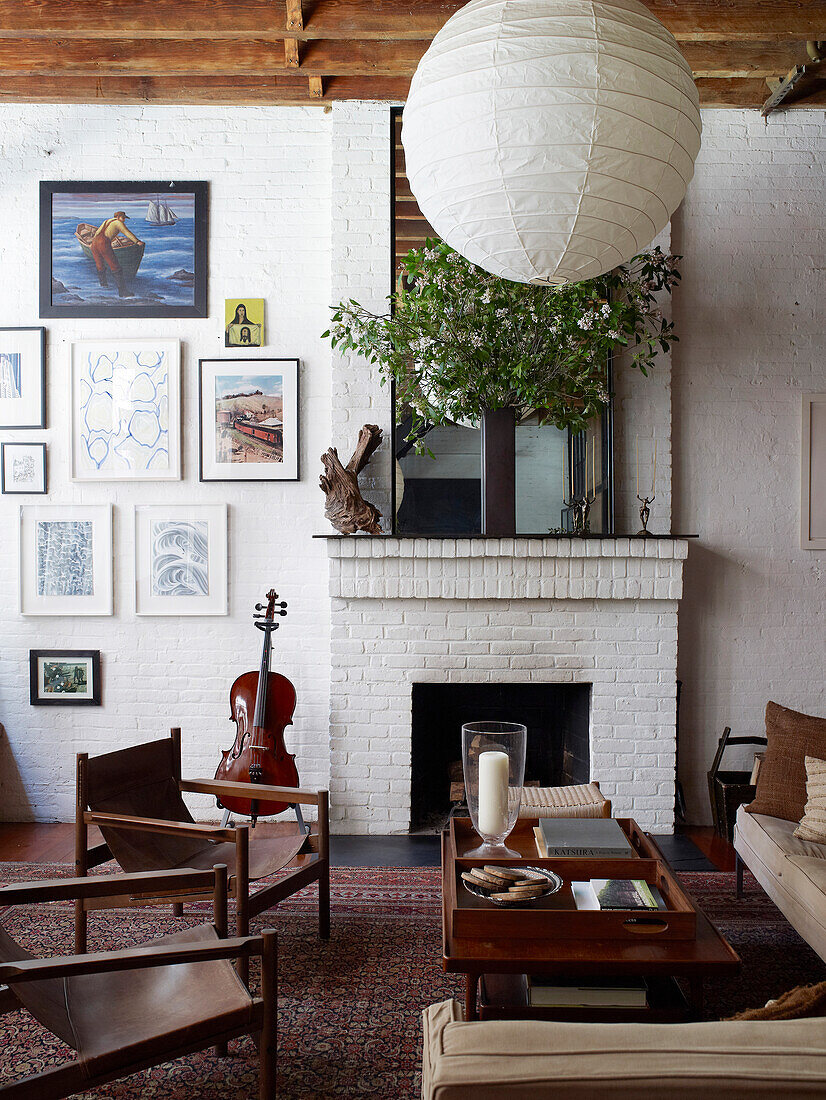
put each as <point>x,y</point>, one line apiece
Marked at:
<point>259,607</point>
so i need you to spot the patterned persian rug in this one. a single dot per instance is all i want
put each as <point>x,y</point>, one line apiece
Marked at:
<point>349,1010</point>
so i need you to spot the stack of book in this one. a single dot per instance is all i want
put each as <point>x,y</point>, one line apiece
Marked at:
<point>582,837</point>
<point>623,993</point>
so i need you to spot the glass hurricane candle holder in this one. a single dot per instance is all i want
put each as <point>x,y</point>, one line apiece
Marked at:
<point>493,761</point>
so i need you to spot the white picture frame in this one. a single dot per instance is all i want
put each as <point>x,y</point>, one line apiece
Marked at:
<point>181,559</point>
<point>813,473</point>
<point>126,410</point>
<point>65,559</point>
<point>22,378</point>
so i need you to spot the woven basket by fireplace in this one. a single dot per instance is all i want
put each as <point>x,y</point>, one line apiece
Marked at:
<point>577,800</point>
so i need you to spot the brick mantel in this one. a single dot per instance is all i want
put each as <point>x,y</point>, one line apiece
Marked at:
<point>384,567</point>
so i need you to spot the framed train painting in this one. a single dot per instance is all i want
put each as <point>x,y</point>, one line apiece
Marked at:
<point>248,418</point>
<point>117,249</point>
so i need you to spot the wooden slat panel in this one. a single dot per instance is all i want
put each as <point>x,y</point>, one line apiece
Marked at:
<point>233,90</point>
<point>181,56</point>
<point>688,20</point>
<point>745,93</point>
<point>742,59</point>
<point>202,57</point>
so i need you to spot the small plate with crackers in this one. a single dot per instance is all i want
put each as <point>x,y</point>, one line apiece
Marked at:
<point>511,885</point>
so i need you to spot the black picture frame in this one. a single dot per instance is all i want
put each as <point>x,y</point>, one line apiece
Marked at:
<point>252,364</point>
<point>9,446</point>
<point>42,421</point>
<point>124,307</point>
<point>59,699</point>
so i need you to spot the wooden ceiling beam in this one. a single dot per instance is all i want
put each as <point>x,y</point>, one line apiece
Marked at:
<point>229,90</point>
<point>394,20</point>
<point>744,93</point>
<point>734,60</point>
<point>250,57</point>
<point>201,57</point>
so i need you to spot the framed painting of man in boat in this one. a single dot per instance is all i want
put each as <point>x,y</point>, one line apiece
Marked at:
<point>248,419</point>
<point>115,249</point>
<point>244,323</point>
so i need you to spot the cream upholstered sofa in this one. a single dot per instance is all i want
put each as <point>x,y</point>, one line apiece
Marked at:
<point>529,1060</point>
<point>791,871</point>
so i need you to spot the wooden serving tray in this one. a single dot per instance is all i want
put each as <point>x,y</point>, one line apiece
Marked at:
<point>557,915</point>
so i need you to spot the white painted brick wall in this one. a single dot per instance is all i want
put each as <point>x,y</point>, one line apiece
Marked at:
<point>300,216</point>
<point>270,195</point>
<point>751,316</point>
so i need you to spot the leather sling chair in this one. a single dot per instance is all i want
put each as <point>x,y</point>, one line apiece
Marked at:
<point>123,1011</point>
<point>134,797</point>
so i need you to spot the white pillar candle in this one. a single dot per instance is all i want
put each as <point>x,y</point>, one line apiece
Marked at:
<point>493,793</point>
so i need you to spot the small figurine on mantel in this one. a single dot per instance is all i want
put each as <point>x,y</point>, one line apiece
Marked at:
<point>346,508</point>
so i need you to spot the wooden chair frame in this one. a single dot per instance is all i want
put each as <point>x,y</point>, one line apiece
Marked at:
<point>312,866</point>
<point>65,1080</point>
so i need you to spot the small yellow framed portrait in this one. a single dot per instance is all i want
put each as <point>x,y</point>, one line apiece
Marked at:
<point>244,323</point>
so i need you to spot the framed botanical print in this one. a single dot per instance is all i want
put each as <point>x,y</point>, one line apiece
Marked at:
<point>65,559</point>
<point>23,468</point>
<point>181,559</point>
<point>126,413</point>
<point>249,419</point>
<point>64,677</point>
<point>22,378</point>
<point>123,249</point>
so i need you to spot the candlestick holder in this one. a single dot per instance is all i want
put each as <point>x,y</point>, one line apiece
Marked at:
<point>645,512</point>
<point>581,508</point>
<point>493,762</point>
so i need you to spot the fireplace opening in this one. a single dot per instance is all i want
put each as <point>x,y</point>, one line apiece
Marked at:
<point>556,717</point>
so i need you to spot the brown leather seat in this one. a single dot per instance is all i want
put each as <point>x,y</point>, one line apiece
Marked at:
<point>134,796</point>
<point>125,1010</point>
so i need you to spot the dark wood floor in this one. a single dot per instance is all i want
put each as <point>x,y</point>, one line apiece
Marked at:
<point>35,843</point>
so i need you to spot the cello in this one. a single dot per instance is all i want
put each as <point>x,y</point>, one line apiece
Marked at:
<point>261,705</point>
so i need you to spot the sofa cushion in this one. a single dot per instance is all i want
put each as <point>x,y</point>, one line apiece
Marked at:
<point>813,823</point>
<point>536,1059</point>
<point>790,870</point>
<point>781,783</point>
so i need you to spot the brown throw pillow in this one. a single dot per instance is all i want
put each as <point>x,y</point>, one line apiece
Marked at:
<point>781,785</point>
<point>805,1000</point>
<point>813,823</point>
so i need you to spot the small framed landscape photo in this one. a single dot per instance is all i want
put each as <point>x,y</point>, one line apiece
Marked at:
<point>64,677</point>
<point>244,327</point>
<point>22,378</point>
<point>23,468</point>
<point>248,416</point>
<point>181,559</point>
<point>110,248</point>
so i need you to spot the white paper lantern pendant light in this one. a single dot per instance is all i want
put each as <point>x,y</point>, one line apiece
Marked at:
<point>549,141</point>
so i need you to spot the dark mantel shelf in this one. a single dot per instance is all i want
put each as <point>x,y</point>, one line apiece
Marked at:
<point>546,535</point>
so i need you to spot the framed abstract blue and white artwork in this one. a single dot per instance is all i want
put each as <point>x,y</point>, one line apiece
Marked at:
<point>126,418</point>
<point>181,559</point>
<point>65,563</point>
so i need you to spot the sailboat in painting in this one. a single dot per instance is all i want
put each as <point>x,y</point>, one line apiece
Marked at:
<point>159,213</point>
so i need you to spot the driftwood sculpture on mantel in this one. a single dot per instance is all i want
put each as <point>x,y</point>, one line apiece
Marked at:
<point>346,508</point>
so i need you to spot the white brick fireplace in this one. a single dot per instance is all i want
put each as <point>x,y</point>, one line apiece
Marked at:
<point>599,611</point>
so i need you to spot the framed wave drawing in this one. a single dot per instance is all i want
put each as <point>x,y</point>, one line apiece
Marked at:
<point>126,413</point>
<point>66,559</point>
<point>181,559</point>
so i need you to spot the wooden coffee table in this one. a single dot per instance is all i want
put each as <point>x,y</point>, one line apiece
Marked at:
<point>552,939</point>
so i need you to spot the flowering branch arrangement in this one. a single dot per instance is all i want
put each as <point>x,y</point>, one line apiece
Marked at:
<point>459,342</point>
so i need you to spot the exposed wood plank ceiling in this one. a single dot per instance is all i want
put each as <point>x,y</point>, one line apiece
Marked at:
<point>289,51</point>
